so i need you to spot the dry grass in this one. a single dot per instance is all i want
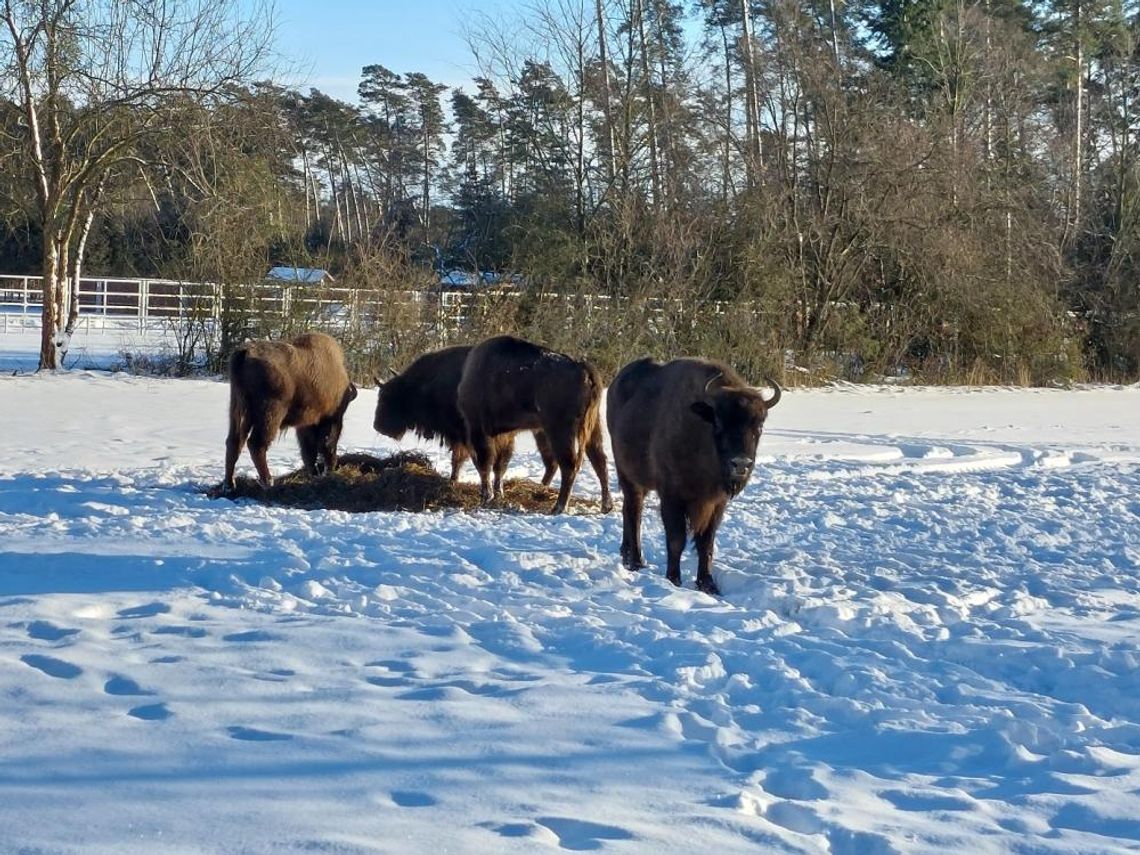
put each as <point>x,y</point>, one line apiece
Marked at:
<point>402,482</point>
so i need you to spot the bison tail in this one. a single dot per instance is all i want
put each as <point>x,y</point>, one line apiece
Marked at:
<point>237,360</point>
<point>237,399</point>
<point>591,416</point>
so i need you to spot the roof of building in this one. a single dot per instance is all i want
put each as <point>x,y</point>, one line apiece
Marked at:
<point>308,275</point>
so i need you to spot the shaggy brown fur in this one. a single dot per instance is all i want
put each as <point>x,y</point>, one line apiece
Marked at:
<point>509,385</point>
<point>689,430</point>
<point>300,384</point>
<point>423,399</point>
<point>402,482</point>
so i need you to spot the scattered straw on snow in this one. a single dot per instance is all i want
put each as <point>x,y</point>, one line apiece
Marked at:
<point>405,481</point>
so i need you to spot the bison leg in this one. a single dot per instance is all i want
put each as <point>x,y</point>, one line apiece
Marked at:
<point>633,500</point>
<point>504,449</point>
<point>308,438</point>
<point>235,441</point>
<point>260,438</point>
<point>549,464</point>
<point>261,463</point>
<point>596,451</point>
<point>482,449</point>
<point>673,518</point>
<point>704,543</point>
<point>459,456</point>
<point>569,461</point>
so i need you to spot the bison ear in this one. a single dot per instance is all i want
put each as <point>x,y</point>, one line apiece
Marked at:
<point>705,411</point>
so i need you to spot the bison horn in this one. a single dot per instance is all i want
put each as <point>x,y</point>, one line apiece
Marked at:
<point>712,380</point>
<point>392,371</point>
<point>775,399</point>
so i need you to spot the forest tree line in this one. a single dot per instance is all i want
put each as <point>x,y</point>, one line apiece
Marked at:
<point>946,188</point>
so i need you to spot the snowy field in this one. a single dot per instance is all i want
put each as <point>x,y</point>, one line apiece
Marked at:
<point>929,642</point>
<point>98,343</point>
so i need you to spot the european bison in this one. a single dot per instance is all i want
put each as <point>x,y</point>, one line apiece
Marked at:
<point>300,384</point>
<point>509,385</point>
<point>689,430</point>
<point>424,399</point>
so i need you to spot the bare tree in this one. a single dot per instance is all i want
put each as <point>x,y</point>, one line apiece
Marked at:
<point>92,80</point>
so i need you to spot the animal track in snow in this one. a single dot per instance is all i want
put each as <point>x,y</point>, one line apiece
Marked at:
<point>150,712</point>
<point>119,685</point>
<point>51,666</point>
<point>795,817</point>
<point>517,830</point>
<point>145,610</point>
<point>43,630</point>
<point>578,835</point>
<point>794,784</point>
<point>250,636</point>
<point>412,798</point>
<point>253,734</point>
<point>181,630</point>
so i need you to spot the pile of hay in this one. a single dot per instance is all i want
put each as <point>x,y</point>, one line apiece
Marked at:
<point>402,482</point>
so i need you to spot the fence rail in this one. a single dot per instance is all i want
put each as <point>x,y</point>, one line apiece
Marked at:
<point>150,304</point>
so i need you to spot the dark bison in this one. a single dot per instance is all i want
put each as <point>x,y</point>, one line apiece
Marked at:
<point>509,385</point>
<point>300,384</point>
<point>424,399</point>
<point>689,430</point>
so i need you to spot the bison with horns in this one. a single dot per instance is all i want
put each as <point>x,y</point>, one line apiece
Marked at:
<point>689,430</point>
<point>423,398</point>
<point>300,384</point>
<point>510,385</point>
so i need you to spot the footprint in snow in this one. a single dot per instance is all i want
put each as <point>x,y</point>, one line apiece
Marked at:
<point>252,734</point>
<point>843,841</point>
<point>456,690</point>
<point>794,817</point>
<point>150,712</point>
<point>398,673</point>
<point>250,635</point>
<point>43,630</point>
<point>397,665</point>
<point>795,784</point>
<point>537,833</point>
<point>919,801</point>
<point>388,682</point>
<point>51,666</point>
<point>411,798</point>
<point>145,610</point>
<point>275,675</point>
<point>578,835</point>
<point>119,685</point>
<point>181,631</point>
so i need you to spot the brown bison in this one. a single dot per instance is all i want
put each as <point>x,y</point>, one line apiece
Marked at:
<point>424,399</point>
<point>689,430</point>
<point>509,385</point>
<point>300,384</point>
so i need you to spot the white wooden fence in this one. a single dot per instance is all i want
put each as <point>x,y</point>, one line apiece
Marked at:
<point>150,305</point>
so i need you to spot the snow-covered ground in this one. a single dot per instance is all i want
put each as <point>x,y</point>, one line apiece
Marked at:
<point>929,641</point>
<point>99,342</point>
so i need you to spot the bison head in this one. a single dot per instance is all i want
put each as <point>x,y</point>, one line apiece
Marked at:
<point>392,417</point>
<point>737,416</point>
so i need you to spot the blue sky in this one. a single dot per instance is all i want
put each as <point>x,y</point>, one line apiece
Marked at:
<point>331,41</point>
